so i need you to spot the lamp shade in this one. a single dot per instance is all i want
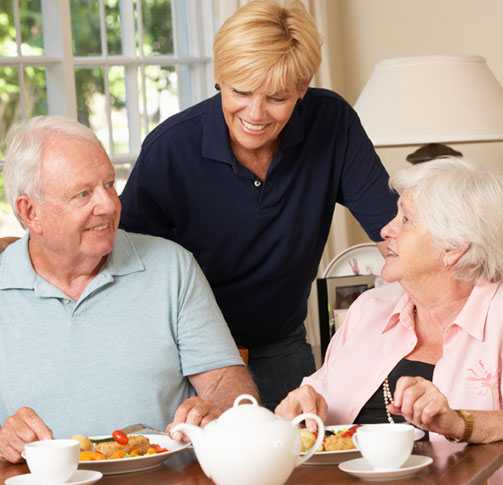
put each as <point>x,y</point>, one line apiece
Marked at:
<point>433,99</point>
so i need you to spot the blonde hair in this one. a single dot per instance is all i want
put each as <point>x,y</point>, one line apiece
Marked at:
<point>265,43</point>
<point>461,205</point>
<point>23,156</point>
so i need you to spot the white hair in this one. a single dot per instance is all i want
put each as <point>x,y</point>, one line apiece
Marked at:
<point>461,205</point>
<point>23,156</point>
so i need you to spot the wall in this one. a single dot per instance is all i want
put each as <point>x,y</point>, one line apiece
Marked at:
<point>371,30</point>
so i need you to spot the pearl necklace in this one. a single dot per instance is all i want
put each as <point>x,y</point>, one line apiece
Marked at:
<point>388,398</point>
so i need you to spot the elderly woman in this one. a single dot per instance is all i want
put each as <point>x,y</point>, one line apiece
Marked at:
<point>428,348</point>
<point>248,181</point>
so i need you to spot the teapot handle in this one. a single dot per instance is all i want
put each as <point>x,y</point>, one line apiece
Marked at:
<point>319,439</point>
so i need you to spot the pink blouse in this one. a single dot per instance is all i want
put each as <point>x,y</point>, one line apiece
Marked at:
<point>379,331</point>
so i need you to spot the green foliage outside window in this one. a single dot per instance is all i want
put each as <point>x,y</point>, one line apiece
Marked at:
<point>34,78</point>
<point>157,39</point>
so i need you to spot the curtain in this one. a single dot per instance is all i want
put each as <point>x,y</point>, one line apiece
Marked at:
<point>329,76</point>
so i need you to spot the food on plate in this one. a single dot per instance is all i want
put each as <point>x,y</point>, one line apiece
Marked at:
<point>91,456</point>
<point>85,443</point>
<point>116,447</point>
<point>339,440</point>
<point>134,442</point>
<point>120,437</point>
<point>307,439</point>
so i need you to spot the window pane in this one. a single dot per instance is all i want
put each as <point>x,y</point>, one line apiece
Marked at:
<point>86,27</point>
<point>119,116</point>
<point>7,32</point>
<point>30,18</point>
<point>9,225</point>
<point>113,24</point>
<point>10,108</point>
<point>35,94</point>
<point>91,106</point>
<point>162,100</point>
<point>157,27</point>
<point>122,172</point>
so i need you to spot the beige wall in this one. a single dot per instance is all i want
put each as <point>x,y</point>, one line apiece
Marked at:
<point>366,31</point>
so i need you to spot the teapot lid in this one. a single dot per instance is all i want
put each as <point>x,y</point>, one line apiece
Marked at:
<point>241,414</point>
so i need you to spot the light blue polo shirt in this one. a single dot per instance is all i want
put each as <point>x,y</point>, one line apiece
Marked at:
<point>118,355</point>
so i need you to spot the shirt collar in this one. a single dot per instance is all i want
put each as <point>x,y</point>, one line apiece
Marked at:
<point>215,134</point>
<point>472,317</point>
<point>124,258</point>
<point>16,270</point>
<point>293,132</point>
<point>403,314</point>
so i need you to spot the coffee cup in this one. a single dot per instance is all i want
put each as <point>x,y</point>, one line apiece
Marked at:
<point>52,461</point>
<point>385,446</point>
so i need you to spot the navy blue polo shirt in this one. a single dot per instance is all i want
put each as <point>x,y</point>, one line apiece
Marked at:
<point>259,243</point>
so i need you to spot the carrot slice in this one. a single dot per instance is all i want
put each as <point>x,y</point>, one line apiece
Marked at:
<point>91,456</point>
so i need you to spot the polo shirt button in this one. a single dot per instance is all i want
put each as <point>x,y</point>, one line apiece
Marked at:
<point>257,183</point>
<point>66,301</point>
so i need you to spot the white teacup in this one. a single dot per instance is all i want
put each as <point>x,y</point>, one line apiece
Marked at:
<point>52,461</point>
<point>385,446</point>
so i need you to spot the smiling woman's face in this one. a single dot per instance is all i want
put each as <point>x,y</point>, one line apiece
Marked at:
<point>255,118</point>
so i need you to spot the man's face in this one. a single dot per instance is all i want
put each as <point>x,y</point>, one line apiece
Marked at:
<point>79,212</point>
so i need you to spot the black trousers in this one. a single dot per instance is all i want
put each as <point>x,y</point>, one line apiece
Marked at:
<point>279,368</point>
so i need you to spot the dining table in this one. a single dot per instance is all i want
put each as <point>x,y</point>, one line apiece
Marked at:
<point>453,463</point>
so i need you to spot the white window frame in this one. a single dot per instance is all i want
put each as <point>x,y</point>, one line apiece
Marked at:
<point>193,26</point>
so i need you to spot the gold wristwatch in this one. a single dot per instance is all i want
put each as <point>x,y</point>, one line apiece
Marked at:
<point>468,419</point>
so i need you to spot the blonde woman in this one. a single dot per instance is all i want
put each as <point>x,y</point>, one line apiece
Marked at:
<point>248,181</point>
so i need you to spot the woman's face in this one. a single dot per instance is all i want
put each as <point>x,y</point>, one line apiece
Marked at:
<point>411,256</point>
<point>255,118</point>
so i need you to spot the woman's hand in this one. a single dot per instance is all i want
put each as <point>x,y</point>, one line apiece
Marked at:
<point>22,427</point>
<point>421,403</point>
<point>303,400</point>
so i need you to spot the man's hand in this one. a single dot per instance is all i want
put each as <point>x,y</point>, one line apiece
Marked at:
<point>303,400</point>
<point>5,241</point>
<point>23,427</point>
<point>216,391</point>
<point>193,411</point>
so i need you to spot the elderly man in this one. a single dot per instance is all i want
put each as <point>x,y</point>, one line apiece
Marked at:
<point>100,328</point>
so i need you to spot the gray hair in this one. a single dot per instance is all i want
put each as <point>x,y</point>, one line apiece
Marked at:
<point>461,204</point>
<point>23,156</point>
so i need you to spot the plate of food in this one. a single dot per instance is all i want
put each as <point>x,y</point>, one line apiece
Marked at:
<point>124,454</point>
<point>337,446</point>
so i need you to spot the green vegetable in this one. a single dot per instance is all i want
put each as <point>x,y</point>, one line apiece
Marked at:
<point>101,440</point>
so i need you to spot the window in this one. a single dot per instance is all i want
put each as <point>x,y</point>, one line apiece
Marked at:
<point>119,66</point>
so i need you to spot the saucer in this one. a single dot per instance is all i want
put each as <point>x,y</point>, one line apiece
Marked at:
<point>80,477</point>
<point>361,468</point>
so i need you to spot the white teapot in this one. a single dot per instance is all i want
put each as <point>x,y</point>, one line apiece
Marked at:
<point>249,445</point>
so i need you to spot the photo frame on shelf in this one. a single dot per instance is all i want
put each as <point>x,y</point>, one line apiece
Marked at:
<point>335,295</point>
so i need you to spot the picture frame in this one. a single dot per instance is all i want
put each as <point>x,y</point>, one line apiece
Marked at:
<point>335,295</point>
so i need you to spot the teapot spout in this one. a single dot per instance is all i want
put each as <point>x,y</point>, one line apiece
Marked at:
<point>195,433</point>
<point>198,437</point>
